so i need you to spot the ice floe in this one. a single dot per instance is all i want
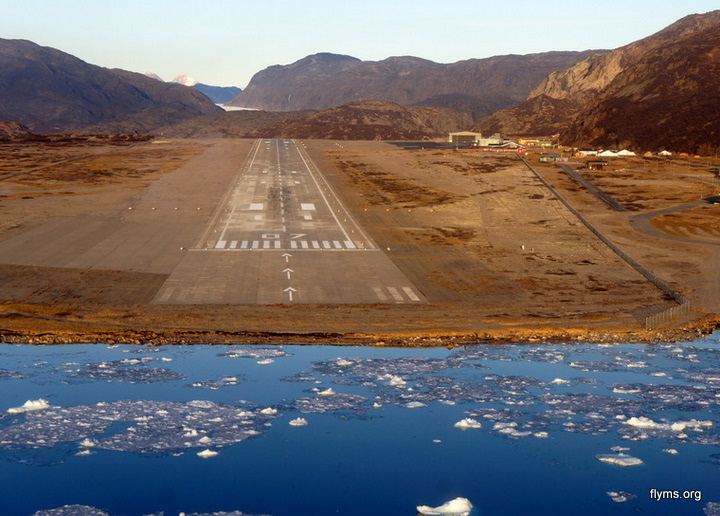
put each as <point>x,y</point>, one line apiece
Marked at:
<point>621,496</point>
<point>255,352</point>
<point>127,370</point>
<point>223,381</point>
<point>619,459</point>
<point>84,510</point>
<point>330,403</point>
<point>207,454</point>
<point>300,421</point>
<point>30,406</point>
<point>6,374</point>
<point>147,426</point>
<point>456,507</point>
<point>72,510</point>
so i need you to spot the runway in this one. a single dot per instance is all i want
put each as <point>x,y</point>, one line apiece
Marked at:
<point>281,235</point>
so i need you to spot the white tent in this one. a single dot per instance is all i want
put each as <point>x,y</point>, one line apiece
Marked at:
<point>608,154</point>
<point>625,152</point>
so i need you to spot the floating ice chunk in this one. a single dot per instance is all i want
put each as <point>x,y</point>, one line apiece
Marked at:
<point>414,404</point>
<point>344,363</point>
<point>510,430</point>
<point>465,424</point>
<point>456,507</point>
<point>397,381</point>
<point>377,405</point>
<point>671,451</point>
<point>560,381</point>
<point>301,421</point>
<point>269,411</point>
<point>679,426</point>
<point>206,454</point>
<point>30,406</point>
<point>620,496</point>
<point>541,435</point>
<point>266,361</point>
<point>88,443</point>
<point>619,459</point>
<point>327,392</point>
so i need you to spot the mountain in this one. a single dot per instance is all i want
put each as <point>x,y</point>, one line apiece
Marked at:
<point>50,91</point>
<point>476,86</point>
<point>668,98</point>
<point>657,92</point>
<point>153,76</point>
<point>218,94</point>
<point>369,120</point>
<point>184,79</point>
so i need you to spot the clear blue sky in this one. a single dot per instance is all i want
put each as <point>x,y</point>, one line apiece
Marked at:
<point>224,42</point>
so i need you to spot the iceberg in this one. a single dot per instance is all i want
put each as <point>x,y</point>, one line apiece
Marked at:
<point>466,423</point>
<point>206,454</point>
<point>301,421</point>
<point>560,381</point>
<point>457,507</point>
<point>30,406</point>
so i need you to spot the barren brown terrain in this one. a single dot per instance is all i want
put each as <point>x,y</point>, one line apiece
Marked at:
<point>490,247</point>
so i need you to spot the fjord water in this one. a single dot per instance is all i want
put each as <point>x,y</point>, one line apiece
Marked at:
<point>126,423</point>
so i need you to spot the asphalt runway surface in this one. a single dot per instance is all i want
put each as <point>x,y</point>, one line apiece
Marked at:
<point>281,235</point>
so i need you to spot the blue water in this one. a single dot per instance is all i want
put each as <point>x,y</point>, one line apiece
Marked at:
<point>363,451</point>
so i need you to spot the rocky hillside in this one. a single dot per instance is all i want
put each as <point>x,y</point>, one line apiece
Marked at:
<point>541,115</point>
<point>233,124</point>
<point>369,120</point>
<point>10,130</point>
<point>476,86</point>
<point>643,95</point>
<point>669,98</point>
<point>50,91</point>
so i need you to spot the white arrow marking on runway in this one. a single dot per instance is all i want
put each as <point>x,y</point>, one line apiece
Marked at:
<point>288,271</point>
<point>290,291</point>
<point>286,256</point>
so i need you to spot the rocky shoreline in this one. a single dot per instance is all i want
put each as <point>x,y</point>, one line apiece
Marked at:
<point>535,335</point>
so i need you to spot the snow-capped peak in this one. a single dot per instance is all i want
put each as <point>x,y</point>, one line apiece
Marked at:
<point>185,80</point>
<point>154,76</point>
